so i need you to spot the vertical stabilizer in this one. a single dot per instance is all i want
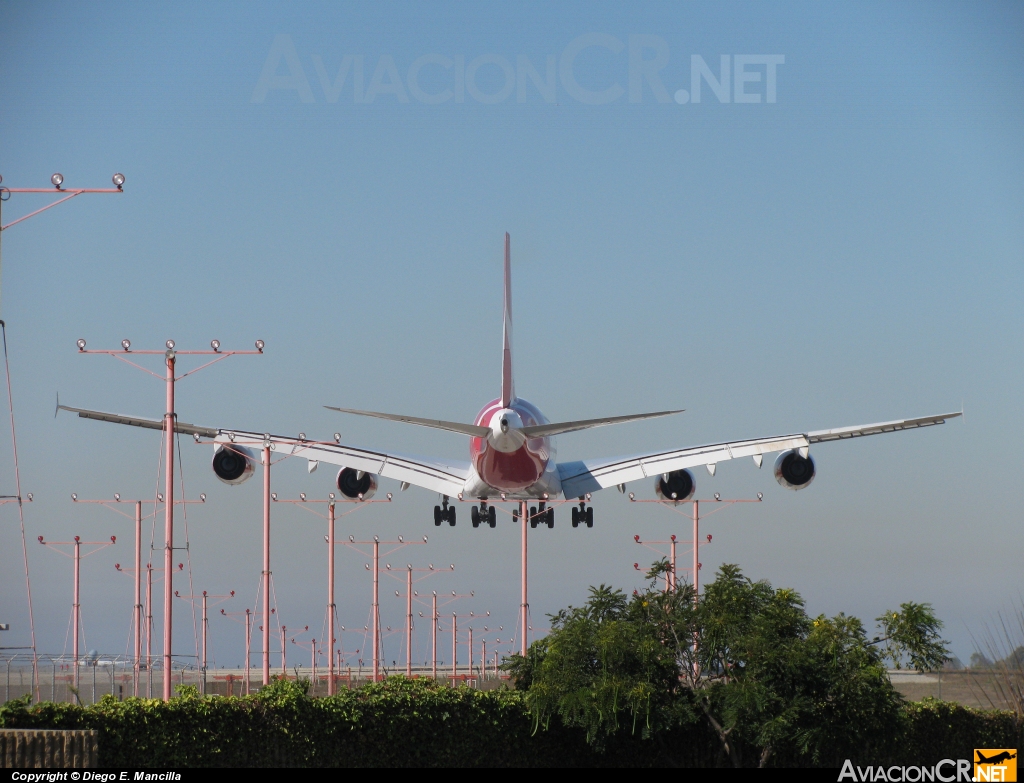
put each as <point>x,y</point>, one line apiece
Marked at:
<point>508,391</point>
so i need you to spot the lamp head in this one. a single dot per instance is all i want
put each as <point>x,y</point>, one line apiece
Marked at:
<point>57,180</point>
<point>215,344</point>
<point>118,180</point>
<point>126,344</point>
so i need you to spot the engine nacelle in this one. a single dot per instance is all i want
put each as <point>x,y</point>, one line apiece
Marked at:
<point>678,485</point>
<point>793,471</point>
<point>233,464</point>
<point>354,483</point>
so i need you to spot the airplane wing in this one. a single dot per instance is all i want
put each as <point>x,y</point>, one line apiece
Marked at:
<point>445,476</point>
<point>579,478</point>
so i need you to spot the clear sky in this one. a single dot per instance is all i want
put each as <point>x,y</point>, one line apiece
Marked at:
<point>336,180</point>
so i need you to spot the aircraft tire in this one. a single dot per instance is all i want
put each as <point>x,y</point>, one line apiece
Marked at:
<point>492,516</point>
<point>451,517</point>
<point>474,516</point>
<point>437,516</point>
<point>575,517</point>
<point>590,517</point>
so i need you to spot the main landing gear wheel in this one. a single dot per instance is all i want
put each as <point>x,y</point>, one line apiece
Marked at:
<point>492,517</point>
<point>474,516</point>
<point>583,515</point>
<point>443,513</point>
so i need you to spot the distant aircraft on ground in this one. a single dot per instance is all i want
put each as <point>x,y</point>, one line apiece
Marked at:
<point>512,454</point>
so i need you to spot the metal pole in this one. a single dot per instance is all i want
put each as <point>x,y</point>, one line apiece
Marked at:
<point>330,599</point>
<point>696,562</point>
<point>76,609</point>
<point>284,667</point>
<point>266,565</point>
<point>433,638</point>
<point>138,594</point>
<point>312,666</point>
<point>455,648</point>
<point>206,624</point>
<point>376,614</point>
<point>168,524</point>
<point>149,629</point>
<point>469,646</point>
<point>524,606</point>
<point>483,658</point>
<point>672,573</point>
<point>248,642</point>
<point>408,624</point>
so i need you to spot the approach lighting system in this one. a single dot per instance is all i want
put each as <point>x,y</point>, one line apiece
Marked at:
<point>259,345</point>
<point>215,344</point>
<point>170,345</point>
<point>57,180</point>
<point>80,343</point>
<point>126,344</point>
<point>118,180</point>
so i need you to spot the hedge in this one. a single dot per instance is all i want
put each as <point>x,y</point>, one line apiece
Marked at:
<point>418,723</point>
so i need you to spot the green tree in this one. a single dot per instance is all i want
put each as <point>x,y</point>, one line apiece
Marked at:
<point>745,658</point>
<point>912,634</point>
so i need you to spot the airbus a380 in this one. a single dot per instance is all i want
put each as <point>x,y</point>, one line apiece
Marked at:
<point>512,454</point>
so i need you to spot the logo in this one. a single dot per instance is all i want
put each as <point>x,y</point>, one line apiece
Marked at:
<point>998,764</point>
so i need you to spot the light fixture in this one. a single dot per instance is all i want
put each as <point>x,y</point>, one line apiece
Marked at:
<point>389,496</point>
<point>331,495</point>
<point>273,496</point>
<point>196,436</point>
<point>57,180</point>
<point>302,436</point>
<point>118,180</point>
<point>160,497</point>
<point>170,345</point>
<point>202,497</point>
<point>302,496</point>
<point>117,498</point>
<point>337,437</point>
<point>401,540</point>
<point>718,496</point>
<point>81,344</point>
<point>215,344</point>
<point>74,497</point>
<point>351,539</point>
<point>759,496</point>
<point>29,496</point>
<point>259,345</point>
<point>126,344</point>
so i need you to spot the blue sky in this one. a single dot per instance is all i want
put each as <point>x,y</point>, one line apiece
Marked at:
<point>848,253</point>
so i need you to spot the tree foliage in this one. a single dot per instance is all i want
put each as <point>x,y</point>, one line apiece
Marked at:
<point>746,658</point>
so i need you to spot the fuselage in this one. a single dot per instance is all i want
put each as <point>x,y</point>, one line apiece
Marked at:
<point>508,462</point>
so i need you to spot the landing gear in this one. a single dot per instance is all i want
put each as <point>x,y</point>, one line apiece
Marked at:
<point>443,513</point>
<point>484,515</point>
<point>583,515</point>
<point>541,515</point>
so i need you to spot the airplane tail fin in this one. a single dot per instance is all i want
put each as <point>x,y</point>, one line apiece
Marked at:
<point>508,391</point>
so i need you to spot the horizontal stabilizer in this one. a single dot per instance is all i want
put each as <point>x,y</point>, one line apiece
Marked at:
<point>472,430</point>
<point>557,428</point>
<point>134,421</point>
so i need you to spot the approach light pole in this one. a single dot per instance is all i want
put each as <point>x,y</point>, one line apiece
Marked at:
<point>137,570</point>
<point>310,506</point>
<point>76,606</point>
<point>171,426</point>
<point>57,180</point>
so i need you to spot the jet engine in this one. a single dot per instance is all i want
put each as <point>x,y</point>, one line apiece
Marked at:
<point>677,485</point>
<point>356,483</point>
<point>793,471</point>
<point>233,464</point>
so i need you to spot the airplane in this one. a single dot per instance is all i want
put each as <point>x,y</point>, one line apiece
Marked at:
<point>512,454</point>
<point>1004,756</point>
